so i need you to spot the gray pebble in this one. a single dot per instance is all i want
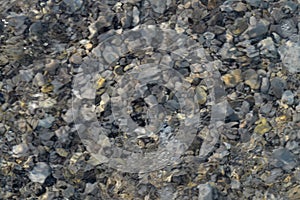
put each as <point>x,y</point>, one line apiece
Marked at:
<point>39,173</point>
<point>290,55</point>
<point>258,30</point>
<point>265,85</point>
<point>288,97</point>
<point>205,192</point>
<point>277,87</point>
<point>46,122</point>
<point>26,75</point>
<point>73,5</point>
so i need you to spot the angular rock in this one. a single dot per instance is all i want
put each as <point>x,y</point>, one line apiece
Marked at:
<point>40,172</point>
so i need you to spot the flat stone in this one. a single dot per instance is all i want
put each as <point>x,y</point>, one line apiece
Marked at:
<point>46,122</point>
<point>290,56</point>
<point>277,87</point>
<point>205,192</point>
<point>39,173</point>
<point>258,30</point>
<point>252,79</point>
<point>73,5</point>
<point>287,159</point>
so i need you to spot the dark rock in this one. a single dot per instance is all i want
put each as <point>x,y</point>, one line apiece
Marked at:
<point>277,86</point>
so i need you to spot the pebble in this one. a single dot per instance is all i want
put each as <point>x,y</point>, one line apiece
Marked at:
<point>76,59</point>
<point>240,25</point>
<point>287,97</point>
<point>277,87</point>
<point>205,192</point>
<point>233,78</point>
<point>258,30</point>
<point>39,80</point>
<point>290,55</point>
<point>46,122</point>
<point>20,150</point>
<point>73,5</point>
<point>201,95</point>
<point>265,85</point>
<point>252,79</point>
<point>40,172</point>
<point>262,127</point>
<point>267,48</point>
<point>287,159</point>
<point>47,103</point>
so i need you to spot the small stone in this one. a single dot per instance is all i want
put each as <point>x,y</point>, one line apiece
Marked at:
<point>76,59</point>
<point>258,30</point>
<point>158,6</point>
<point>296,117</point>
<point>48,103</point>
<point>252,79</point>
<point>240,25</point>
<point>73,5</point>
<point>277,87</point>
<point>39,80</point>
<point>287,159</point>
<point>262,127</point>
<point>52,65</point>
<point>62,152</point>
<point>268,48</point>
<point>265,85</point>
<point>201,95</point>
<point>39,173</point>
<point>47,88</point>
<point>294,193</point>
<point>287,97</point>
<point>37,28</point>
<point>100,83</point>
<point>20,150</point>
<point>205,192</point>
<point>3,60</point>
<point>290,56</point>
<point>46,122</point>
<point>233,78</point>
<point>26,75</point>
<point>88,46</point>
